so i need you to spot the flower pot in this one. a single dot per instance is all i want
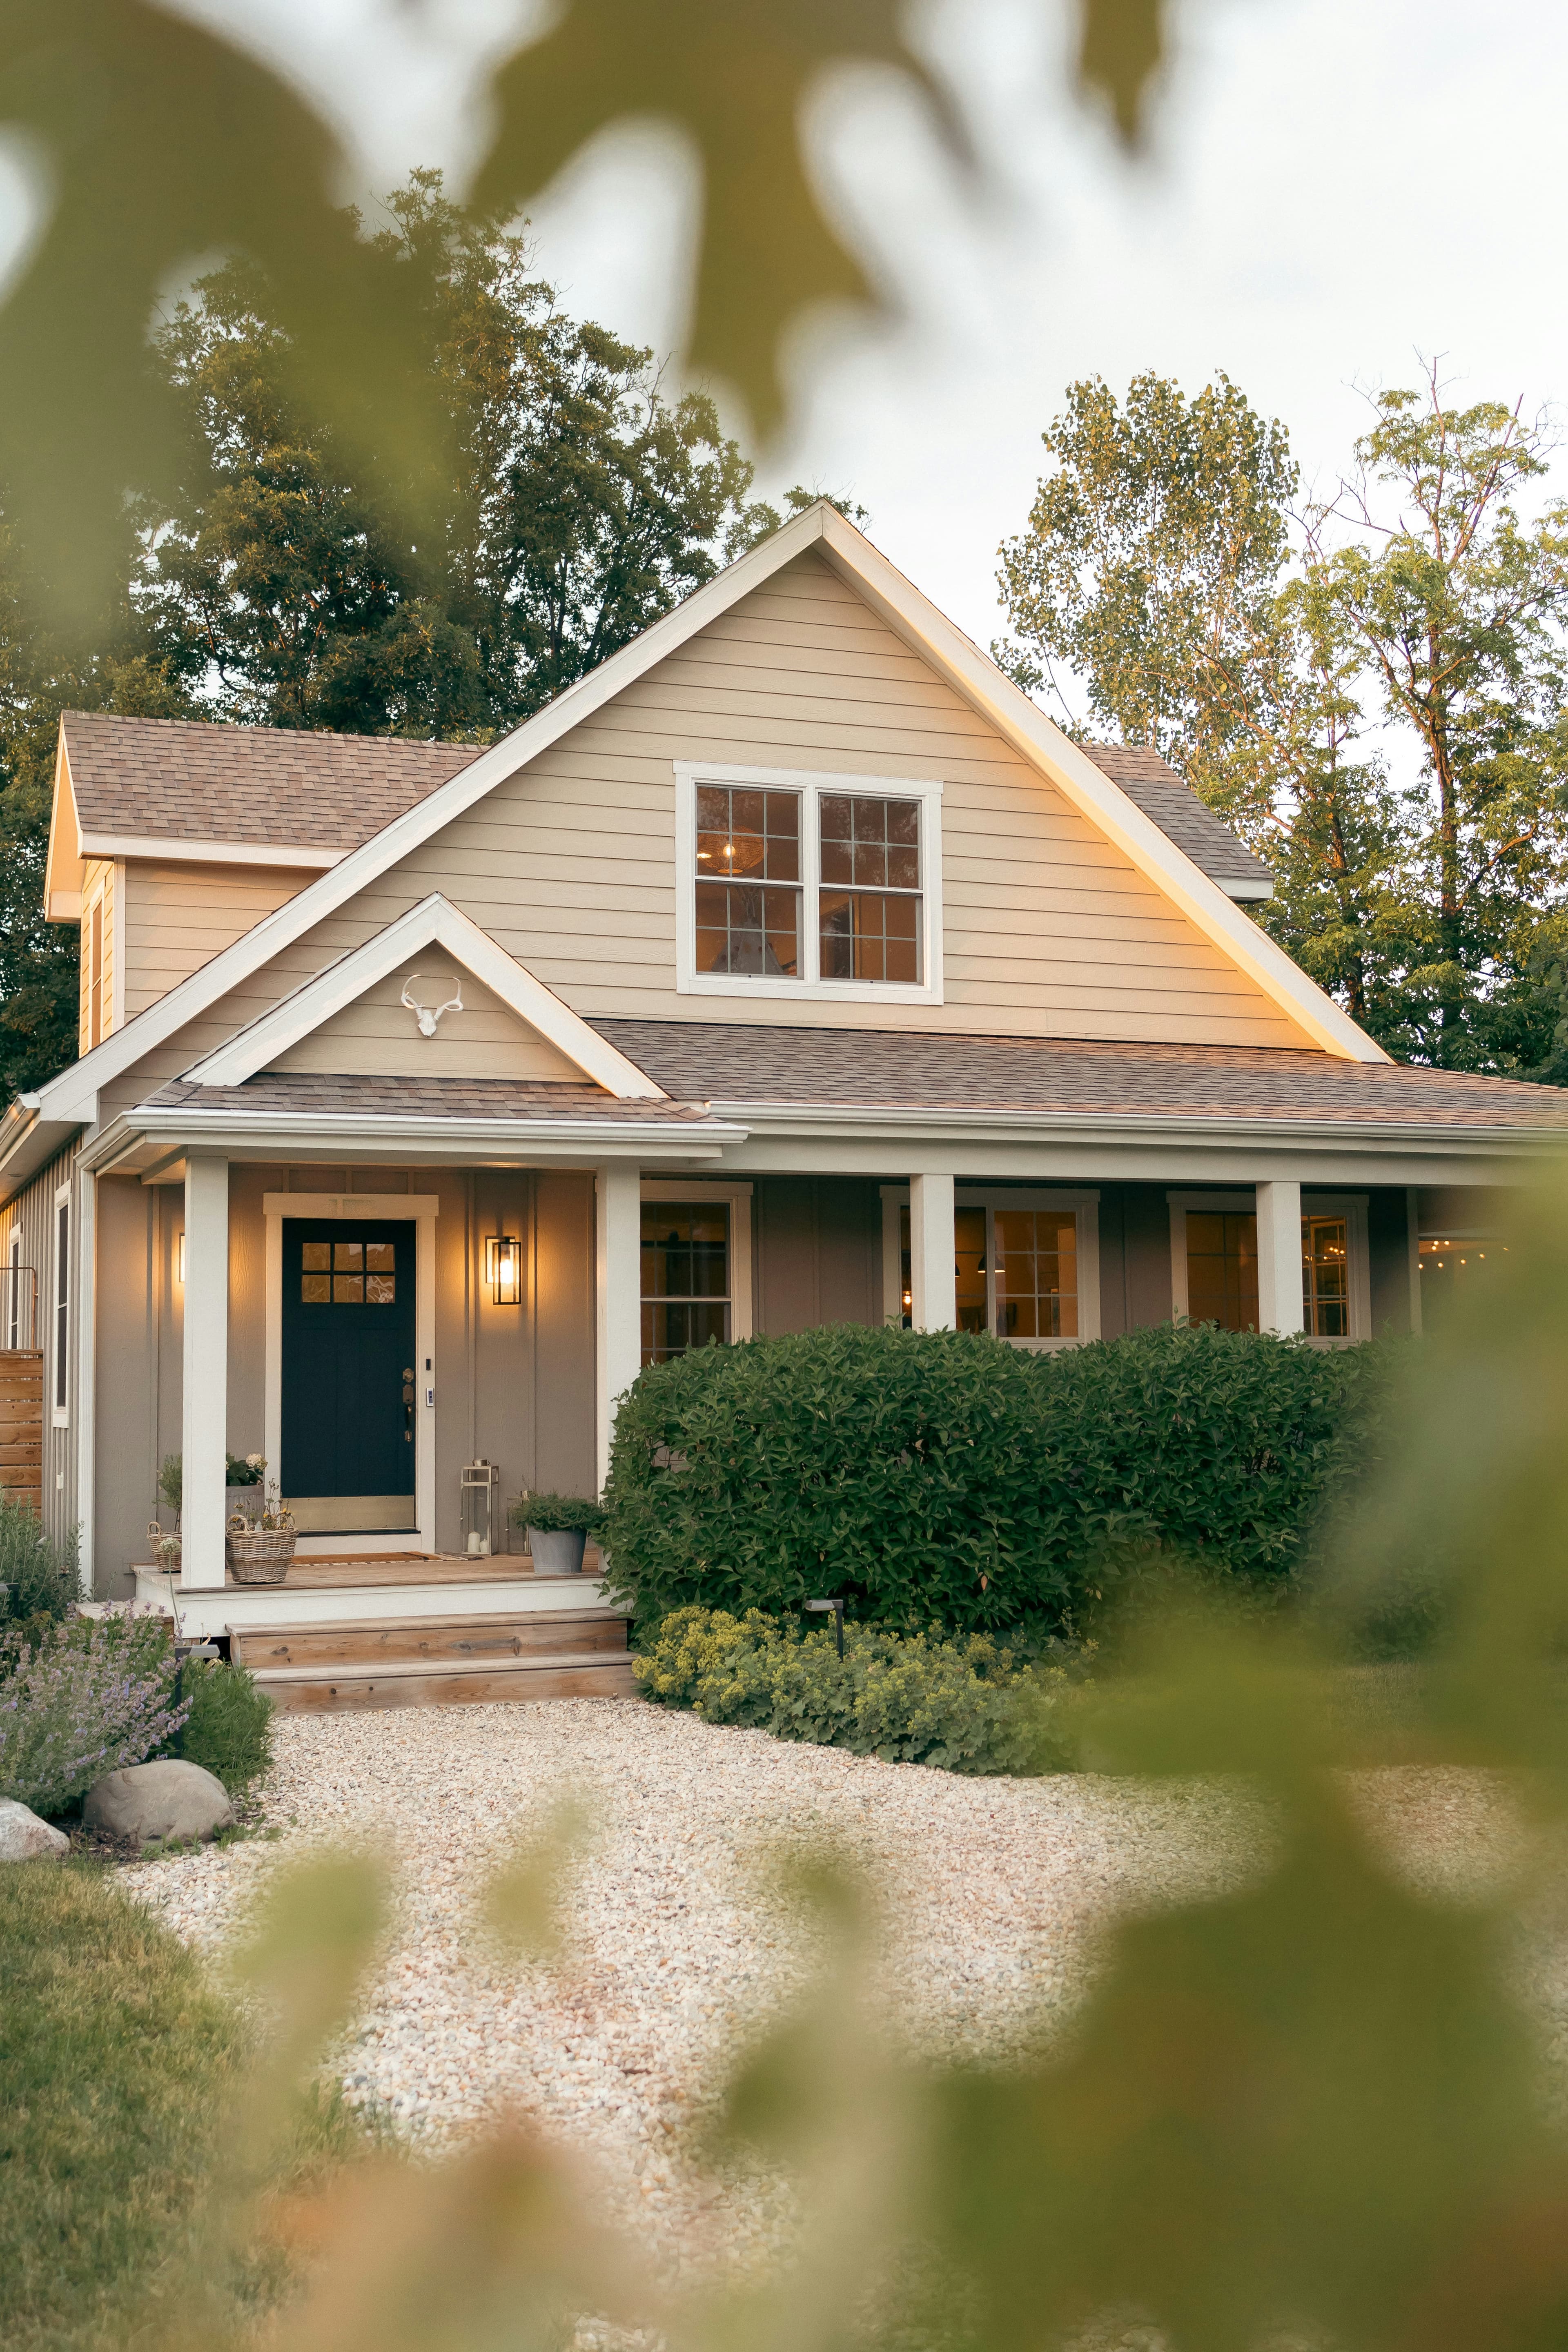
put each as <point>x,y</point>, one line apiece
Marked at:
<point>259,1555</point>
<point>557,1551</point>
<point>245,1500</point>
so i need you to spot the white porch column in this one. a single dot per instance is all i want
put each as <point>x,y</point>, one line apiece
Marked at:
<point>933,1267</point>
<point>204,1432</point>
<point>85,1373</point>
<point>1279,1258</point>
<point>617,1291</point>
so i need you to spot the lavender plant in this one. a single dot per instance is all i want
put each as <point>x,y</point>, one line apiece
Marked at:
<point>89,1696</point>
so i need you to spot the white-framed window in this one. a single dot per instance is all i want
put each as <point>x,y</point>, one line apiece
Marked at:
<point>14,1316</point>
<point>60,1316</point>
<point>696,1262</point>
<point>96,1024</point>
<point>801,885</point>
<point>1026,1262</point>
<point>1214,1262</point>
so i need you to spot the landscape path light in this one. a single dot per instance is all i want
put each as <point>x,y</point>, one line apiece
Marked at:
<point>820,1607</point>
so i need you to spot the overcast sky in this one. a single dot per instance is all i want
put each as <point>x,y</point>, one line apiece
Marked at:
<point>1334,185</point>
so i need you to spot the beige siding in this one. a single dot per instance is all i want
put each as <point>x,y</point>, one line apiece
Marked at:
<point>96,977</point>
<point>377,1036</point>
<point>177,918</point>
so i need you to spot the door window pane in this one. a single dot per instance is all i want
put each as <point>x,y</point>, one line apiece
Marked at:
<point>1036,1275</point>
<point>316,1257</point>
<point>380,1289</point>
<point>348,1257</point>
<point>348,1290</point>
<point>1222,1268</point>
<point>685,1277</point>
<point>1325,1279</point>
<point>316,1289</point>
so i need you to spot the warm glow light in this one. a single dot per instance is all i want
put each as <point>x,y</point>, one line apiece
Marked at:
<point>181,1276</point>
<point>503,1269</point>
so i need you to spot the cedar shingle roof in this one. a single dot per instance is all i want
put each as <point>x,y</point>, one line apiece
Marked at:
<point>1176,809</point>
<point>273,1093</point>
<point>284,787</point>
<point>727,1064</point>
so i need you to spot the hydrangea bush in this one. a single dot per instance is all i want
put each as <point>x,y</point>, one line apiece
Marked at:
<point>966,1706</point>
<point>89,1695</point>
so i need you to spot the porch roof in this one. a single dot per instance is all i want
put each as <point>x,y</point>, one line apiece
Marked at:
<point>737,1069</point>
<point>284,1094</point>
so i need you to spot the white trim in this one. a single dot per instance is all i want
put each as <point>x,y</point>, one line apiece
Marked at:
<point>421,1210</point>
<point>1413,1253</point>
<point>435,922</point>
<point>86,1371</point>
<point>60,1414</point>
<point>912,617</point>
<point>810,783</point>
<point>617,1297</point>
<point>1352,1206</point>
<point>1084,1206</point>
<point>172,850</point>
<point>119,1005</point>
<point>204,1381</point>
<point>13,1303</point>
<point>742,1321</point>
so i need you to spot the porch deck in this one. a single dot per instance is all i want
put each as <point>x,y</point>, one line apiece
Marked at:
<point>369,1589</point>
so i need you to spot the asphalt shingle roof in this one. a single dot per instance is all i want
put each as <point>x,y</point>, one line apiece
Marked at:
<point>726,1063</point>
<point>1178,812</point>
<point>272,1094</point>
<point>186,780</point>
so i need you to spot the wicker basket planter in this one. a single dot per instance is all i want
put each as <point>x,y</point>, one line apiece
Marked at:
<point>259,1555</point>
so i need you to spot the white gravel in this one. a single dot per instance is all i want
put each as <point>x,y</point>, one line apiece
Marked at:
<point>993,1890</point>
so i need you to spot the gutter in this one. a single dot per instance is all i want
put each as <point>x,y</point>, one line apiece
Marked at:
<point>287,1129</point>
<point>1075,1127</point>
<point>29,1142</point>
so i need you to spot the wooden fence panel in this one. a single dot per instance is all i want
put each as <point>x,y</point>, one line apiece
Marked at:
<point>22,1425</point>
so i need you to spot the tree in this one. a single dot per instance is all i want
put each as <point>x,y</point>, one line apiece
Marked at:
<point>1152,554</point>
<point>581,504</point>
<point>1385,727</point>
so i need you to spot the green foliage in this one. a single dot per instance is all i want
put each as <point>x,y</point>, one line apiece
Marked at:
<point>229,1727</point>
<point>559,1514</point>
<point>79,1699</point>
<point>40,1575</point>
<point>966,1706</point>
<point>945,1479</point>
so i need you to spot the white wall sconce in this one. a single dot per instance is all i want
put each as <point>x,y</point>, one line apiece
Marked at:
<point>503,1269</point>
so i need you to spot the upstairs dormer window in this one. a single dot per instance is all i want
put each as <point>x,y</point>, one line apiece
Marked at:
<point>807,885</point>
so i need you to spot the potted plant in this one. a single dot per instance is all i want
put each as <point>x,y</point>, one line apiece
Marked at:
<point>244,1472</point>
<point>558,1527</point>
<point>171,1487</point>
<point>260,1543</point>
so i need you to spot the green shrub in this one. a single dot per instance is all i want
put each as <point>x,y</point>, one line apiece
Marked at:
<point>559,1514</point>
<point>92,1695</point>
<point>943,1479</point>
<point>40,1574</point>
<point>229,1727</point>
<point>966,1706</point>
<point>899,1470</point>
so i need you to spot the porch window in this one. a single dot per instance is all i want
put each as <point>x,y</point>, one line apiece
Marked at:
<point>1015,1270</point>
<point>809,885</point>
<point>1325,1277</point>
<point>1222,1268</point>
<point>686,1276</point>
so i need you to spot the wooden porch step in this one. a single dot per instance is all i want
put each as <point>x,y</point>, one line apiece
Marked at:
<point>592,1630</point>
<point>446,1681</point>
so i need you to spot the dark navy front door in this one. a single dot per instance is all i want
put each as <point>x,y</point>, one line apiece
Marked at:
<point>349,1380</point>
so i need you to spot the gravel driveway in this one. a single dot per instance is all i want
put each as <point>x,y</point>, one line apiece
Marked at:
<point>992,1891</point>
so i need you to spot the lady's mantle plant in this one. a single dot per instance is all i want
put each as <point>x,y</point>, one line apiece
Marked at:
<point>89,1696</point>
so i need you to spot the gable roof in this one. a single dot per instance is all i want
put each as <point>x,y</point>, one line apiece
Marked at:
<point>159,783</point>
<point>72,1096</point>
<point>435,922</point>
<point>1188,821</point>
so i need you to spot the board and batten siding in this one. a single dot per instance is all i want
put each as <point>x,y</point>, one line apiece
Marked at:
<point>570,863</point>
<point>34,1211</point>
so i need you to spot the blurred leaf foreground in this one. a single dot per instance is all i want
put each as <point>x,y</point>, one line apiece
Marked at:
<point>154,144</point>
<point>1314,2109</point>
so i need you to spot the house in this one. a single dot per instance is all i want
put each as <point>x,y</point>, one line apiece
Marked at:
<point>792,966</point>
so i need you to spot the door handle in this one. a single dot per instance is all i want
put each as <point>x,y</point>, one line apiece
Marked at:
<point>408,1405</point>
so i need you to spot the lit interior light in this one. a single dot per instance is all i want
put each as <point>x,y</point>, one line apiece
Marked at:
<point>180,1275</point>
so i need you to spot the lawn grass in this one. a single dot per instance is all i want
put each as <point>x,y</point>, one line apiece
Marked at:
<point>117,2059</point>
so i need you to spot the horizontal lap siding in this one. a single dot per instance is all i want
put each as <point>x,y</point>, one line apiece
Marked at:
<point>177,918</point>
<point>570,864</point>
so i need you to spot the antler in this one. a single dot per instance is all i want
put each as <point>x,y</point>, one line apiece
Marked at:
<point>428,1015</point>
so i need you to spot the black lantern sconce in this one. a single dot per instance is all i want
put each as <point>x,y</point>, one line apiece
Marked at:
<point>503,1269</point>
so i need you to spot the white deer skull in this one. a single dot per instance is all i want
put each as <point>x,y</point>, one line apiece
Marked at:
<point>429,1015</point>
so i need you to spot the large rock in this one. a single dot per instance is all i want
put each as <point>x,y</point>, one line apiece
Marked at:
<point>167,1800</point>
<point>24,1838</point>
